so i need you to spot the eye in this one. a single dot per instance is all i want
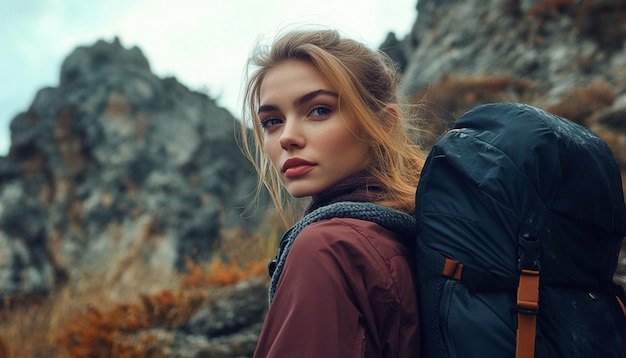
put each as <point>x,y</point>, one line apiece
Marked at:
<point>320,111</point>
<point>270,122</point>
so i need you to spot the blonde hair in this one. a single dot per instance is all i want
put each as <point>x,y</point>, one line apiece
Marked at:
<point>367,84</point>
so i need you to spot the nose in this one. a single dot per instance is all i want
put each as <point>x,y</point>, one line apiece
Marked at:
<point>291,136</point>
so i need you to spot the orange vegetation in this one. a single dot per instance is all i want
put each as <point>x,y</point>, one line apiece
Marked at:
<point>583,104</point>
<point>445,101</point>
<point>78,322</point>
<point>549,7</point>
<point>105,333</point>
<point>218,272</point>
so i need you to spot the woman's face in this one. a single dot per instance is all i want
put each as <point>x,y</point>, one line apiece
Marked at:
<point>310,141</point>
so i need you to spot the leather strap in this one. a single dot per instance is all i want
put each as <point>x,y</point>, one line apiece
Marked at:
<point>453,269</point>
<point>527,307</point>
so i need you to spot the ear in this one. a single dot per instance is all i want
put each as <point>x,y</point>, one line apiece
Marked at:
<point>390,118</point>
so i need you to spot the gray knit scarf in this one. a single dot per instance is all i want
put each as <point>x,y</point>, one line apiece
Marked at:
<point>394,220</point>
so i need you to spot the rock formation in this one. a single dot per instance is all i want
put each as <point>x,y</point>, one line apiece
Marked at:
<point>112,163</point>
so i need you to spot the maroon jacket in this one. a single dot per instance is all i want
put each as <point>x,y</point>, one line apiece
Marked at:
<point>346,290</point>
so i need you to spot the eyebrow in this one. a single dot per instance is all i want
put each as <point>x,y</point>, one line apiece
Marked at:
<point>300,100</point>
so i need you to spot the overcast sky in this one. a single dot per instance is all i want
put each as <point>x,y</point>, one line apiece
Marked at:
<point>204,44</point>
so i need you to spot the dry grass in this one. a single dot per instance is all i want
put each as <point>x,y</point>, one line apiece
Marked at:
<point>83,318</point>
<point>600,20</point>
<point>549,7</point>
<point>104,333</point>
<point>603,21</point>
<point>442,103</point>
<point>583,104</point>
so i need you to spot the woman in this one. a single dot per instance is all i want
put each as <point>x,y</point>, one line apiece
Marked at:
<point>327,125</point>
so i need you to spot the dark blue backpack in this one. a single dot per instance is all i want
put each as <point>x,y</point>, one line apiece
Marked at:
<point>520,218</point>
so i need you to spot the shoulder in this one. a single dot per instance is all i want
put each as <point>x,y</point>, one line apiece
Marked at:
<point>360,256</point>
<point>346,236</point>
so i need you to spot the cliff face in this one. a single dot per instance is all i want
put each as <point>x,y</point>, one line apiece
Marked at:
<point>557,45</point>
<point>113,163</point>
<point>568,57</point>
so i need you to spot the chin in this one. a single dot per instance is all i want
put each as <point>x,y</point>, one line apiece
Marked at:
<point>299,192</point>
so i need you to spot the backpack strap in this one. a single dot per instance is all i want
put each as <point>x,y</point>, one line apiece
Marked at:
<point>475,280</point>
<point>481,281</point>
<point>527,295</point>
<point>527,308</point>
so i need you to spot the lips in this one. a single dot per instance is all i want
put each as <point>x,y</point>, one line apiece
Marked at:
<point>296,167</point>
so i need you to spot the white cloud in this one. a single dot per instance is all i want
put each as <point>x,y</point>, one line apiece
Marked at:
<point>204,44</point>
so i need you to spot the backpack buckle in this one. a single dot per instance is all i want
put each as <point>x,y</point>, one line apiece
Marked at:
<point>528,253</point>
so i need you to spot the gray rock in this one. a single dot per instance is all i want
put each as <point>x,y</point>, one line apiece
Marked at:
<point>544,42</point>
<point>111,145</point>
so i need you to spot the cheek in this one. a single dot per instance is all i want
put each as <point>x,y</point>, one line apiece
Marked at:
<point>341,142</point>
<point>272,150</point>
<point>355,149</point>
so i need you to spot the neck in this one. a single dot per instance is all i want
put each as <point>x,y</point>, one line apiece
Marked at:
<point>359,187</point>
